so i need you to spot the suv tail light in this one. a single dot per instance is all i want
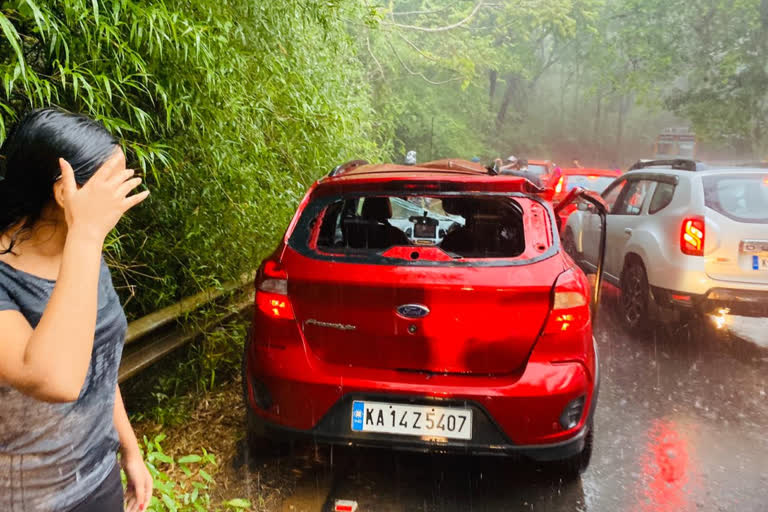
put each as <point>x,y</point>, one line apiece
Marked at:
<point>272,292</point>
<point>692,236</point>
<point>570,304</point>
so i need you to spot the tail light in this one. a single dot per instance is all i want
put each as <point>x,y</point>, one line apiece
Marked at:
<point>272,292</point>
<point>570,304</point>
<point>560,185</point>
<point>692,236</point>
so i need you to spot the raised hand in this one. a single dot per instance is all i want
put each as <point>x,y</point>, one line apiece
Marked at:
<point>94,209</point>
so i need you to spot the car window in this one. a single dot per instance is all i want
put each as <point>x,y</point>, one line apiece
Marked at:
<point>612,193</point>
<point>632,198</point>
<point>662,196</point>
<point>462,226</point>
<point>743,198</point>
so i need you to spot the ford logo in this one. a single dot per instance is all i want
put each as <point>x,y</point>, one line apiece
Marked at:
<point>413,311</point>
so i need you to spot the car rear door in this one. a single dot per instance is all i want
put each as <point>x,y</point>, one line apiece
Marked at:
<point>591,235</point>
<point>736,246</point>
<point>627,214</point>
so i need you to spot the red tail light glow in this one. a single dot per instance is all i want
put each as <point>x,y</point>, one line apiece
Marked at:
<point>272,292</point>
<point>692,236</point>
<point>570,306</point>
<point>560,184</point>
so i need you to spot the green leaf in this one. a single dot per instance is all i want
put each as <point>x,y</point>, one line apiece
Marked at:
<point>13,38</point>
<point>189,459</point>
<point>238,503</point>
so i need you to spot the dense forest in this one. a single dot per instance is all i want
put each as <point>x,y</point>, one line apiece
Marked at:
<point>231,108</point>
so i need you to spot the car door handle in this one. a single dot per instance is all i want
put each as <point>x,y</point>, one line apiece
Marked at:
<point>628,231</point>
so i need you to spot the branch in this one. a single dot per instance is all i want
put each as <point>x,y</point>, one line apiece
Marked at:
<point>441,29</point>
<point>417,73</point>
<point>419,13</point>
<point>370,52</point>
<point>413,45</point>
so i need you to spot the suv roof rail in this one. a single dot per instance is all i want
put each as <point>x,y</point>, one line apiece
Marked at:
<point>347,166</point>
<point>680,164</point>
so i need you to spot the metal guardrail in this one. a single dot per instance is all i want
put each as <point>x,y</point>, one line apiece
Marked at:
<point>147,341</point>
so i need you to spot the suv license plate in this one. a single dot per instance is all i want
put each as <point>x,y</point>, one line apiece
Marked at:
<point>760,262</point>
<point>412,420</point>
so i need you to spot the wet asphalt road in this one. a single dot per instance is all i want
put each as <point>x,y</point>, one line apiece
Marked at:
<point>681,425</point>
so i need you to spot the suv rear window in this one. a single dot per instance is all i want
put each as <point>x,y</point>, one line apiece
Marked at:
<point>741,197</point>
<point>467,226</point>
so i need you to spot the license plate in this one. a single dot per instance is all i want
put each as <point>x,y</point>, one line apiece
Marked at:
<point>760,262</point>
<point>412,420</point>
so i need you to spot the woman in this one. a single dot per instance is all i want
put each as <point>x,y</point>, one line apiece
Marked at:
<point>62,419</point>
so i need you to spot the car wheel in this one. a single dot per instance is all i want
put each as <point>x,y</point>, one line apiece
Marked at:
<point>255,432</point>
<point>569,244</point>
<point>574,466</point>
<point>258,441</point>
<point>634,297</point>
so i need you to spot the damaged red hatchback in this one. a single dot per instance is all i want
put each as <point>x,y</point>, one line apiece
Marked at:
<point>425,307</point>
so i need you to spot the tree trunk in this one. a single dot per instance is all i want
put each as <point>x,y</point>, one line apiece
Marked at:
<point>624,103</point>
<point>493,77</point>
<point>505,102</point>
<point>596,136</point>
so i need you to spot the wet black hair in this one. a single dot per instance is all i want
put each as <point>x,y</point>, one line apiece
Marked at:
<point>29,162</point>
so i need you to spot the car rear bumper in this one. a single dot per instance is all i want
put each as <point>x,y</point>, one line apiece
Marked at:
<point>488,439</point>
<point>517,414</point>
<point>738,301</point>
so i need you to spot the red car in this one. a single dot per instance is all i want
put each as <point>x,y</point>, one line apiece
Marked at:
<point>426,307</point>
<point>565,180</point>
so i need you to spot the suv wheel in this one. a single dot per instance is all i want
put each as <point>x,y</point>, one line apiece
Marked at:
<point>634,298</point>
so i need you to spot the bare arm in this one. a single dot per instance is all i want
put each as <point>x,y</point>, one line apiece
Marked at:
<point>37,362</point>
<point>51,361</point>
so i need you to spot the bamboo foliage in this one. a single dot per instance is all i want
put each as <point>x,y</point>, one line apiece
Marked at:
<point>230,107</point>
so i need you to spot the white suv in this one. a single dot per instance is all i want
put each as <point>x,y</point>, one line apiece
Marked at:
<point>681,236</point>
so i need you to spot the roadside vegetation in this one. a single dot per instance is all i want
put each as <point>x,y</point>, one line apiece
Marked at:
<point>231,108</point>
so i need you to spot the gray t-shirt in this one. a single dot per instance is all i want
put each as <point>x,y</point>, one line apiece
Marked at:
<point>53,456</point>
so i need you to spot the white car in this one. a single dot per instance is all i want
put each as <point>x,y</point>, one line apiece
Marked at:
<point>681,236</point>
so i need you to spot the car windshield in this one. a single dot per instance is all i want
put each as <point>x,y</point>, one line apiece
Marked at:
<point>743,197</point>
<point>595,183</point>
<point>461,226</point>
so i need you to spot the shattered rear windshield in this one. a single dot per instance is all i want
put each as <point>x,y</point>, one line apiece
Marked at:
<point>466,226</point>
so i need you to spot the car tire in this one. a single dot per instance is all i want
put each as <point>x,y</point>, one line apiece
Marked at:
<point>258,441</point>
<point>255,431</point>
<point>573,467</point>
<point>634,298</point>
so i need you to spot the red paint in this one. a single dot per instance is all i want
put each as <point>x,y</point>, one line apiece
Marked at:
<point>492,335</point>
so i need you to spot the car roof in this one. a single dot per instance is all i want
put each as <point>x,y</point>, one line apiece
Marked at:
<point>704,171</point>
<point>590,171</point>
<point>438,171</point>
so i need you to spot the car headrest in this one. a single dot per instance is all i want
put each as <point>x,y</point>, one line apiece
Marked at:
<point>454,205</point>
<point>377,208</point>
